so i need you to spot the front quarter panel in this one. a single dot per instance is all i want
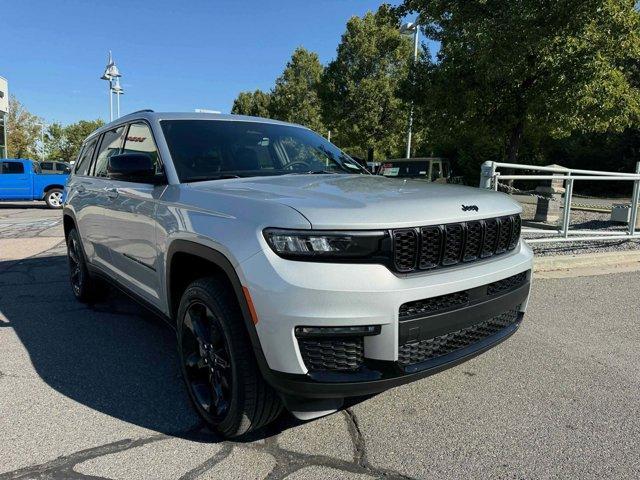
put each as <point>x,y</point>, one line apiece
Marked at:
<point>226,224</point>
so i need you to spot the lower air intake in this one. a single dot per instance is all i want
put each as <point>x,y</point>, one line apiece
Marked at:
<point>423,350</point>
<point>332,354</point>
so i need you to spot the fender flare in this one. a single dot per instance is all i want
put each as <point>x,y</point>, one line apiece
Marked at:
<point>220,260</point>
<point>67,212</point>
<point>51,186</point>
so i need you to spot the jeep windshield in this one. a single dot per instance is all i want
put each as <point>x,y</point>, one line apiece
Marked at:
<point>216,149</point>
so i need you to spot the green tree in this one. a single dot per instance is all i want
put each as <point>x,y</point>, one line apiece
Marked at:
<point>295,96</point>
<point>23,131</point>
<point>64,142</point>
<point>361,86</point>
<point>75,134</point>
<point>509,68</point>
<point>54,142</point>
<point>255,103</point>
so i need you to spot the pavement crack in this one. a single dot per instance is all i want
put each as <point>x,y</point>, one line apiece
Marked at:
<point>359,447</point>
<point>360,456</point>
<point>62,467</point>
<point>286,461</point>
<point>194,473</point>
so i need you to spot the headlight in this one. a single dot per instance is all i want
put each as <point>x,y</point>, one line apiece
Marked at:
<point>324,244</point>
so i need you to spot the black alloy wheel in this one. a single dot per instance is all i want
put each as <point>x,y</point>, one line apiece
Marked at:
<point>218,361</point>
<point>76,270</point>
<point>206,362</point>
<point>85,287</point>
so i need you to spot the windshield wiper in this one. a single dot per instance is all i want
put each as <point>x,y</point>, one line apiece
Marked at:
<point>203,178</point>
<point>314,172</point>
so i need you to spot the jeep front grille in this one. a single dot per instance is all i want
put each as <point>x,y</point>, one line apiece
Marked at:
<point>427,248</point>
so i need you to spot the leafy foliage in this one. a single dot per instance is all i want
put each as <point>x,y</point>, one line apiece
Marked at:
<point>23,131</point>
<point>256,104</point>
<point>544,69</point>
<point>64,142</point>
<point>356,97</point>
<point>361,86</point>
<point>295,96</point>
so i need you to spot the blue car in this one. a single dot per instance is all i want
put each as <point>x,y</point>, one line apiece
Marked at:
<point>22,179</point>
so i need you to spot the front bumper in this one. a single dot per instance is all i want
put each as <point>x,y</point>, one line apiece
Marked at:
<point>287,294</point>
<point>387,373</point>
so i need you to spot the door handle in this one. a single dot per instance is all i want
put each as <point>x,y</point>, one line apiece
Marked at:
<point>111,192</point>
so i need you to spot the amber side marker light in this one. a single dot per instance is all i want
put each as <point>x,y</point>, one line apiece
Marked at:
<point>252,309</point>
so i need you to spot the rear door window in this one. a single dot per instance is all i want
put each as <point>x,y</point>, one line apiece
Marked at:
<point>12,167</point>
<point>110,145</point>
<point>84,159</point>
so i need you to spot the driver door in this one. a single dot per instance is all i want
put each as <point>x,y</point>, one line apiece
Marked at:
<point>132,221</point>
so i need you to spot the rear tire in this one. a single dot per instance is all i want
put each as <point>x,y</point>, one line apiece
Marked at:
<point>85,288</point>
<point>53,198</point>
<point>218,363</point>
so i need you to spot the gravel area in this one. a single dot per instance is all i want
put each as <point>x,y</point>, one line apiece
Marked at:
<point>583,220</point>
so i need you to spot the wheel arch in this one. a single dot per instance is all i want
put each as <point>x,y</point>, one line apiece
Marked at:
<point>68,222</point>
<point>207,261</point>
<point>50,187</point>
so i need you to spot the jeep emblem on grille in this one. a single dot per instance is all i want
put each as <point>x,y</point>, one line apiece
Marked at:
<point>467,208</point>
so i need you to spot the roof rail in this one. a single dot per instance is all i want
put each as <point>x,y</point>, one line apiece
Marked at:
<point>139,111</point>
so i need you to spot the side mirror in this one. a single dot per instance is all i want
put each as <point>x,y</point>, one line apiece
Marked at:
<point>133,167</point>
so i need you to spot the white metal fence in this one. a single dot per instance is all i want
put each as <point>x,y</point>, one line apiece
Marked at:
<point>490,178</point>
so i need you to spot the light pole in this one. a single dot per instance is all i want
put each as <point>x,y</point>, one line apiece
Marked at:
<point>411,28</point>
<point>112,75</point>
<point>42,127</point>
<point>117,90</point>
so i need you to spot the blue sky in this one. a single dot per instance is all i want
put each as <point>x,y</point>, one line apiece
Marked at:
<point>174,55</point>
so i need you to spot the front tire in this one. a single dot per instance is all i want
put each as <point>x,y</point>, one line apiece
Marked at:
<point>85,288</point>
<point>218,363</point>
<point>53,198</point>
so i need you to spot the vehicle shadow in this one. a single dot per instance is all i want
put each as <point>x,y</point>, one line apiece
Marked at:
<point>114,356</point>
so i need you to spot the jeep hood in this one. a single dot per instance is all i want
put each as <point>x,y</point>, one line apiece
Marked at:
<point>368,201</point>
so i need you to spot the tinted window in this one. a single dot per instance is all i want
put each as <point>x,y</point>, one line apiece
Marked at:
<point>12,167</point>
<point>84,159</point>
<point>140,140</point>
<point>405,169</point>
<point>209,149</point>
<point>46,165</point>
<point>110,145</point>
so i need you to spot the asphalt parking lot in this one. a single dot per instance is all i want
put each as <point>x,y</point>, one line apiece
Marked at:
<point>95,392</point>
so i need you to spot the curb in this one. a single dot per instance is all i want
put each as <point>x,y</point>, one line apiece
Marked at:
<point>563,266</point>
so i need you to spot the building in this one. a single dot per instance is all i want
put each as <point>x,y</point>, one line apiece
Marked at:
<point>4,109</point>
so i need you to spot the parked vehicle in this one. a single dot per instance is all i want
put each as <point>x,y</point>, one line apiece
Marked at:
<point>55,167</point>
<point>21,179</point>
<point>433,169</point>
<point>292,276</point>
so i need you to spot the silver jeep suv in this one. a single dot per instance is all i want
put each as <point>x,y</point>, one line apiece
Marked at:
<point>291,275</point>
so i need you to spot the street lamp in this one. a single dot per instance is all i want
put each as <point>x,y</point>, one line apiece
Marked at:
<point>117,90</point>
<point>42,127</point>
<point>414,29</point>
<point>112,75</point>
